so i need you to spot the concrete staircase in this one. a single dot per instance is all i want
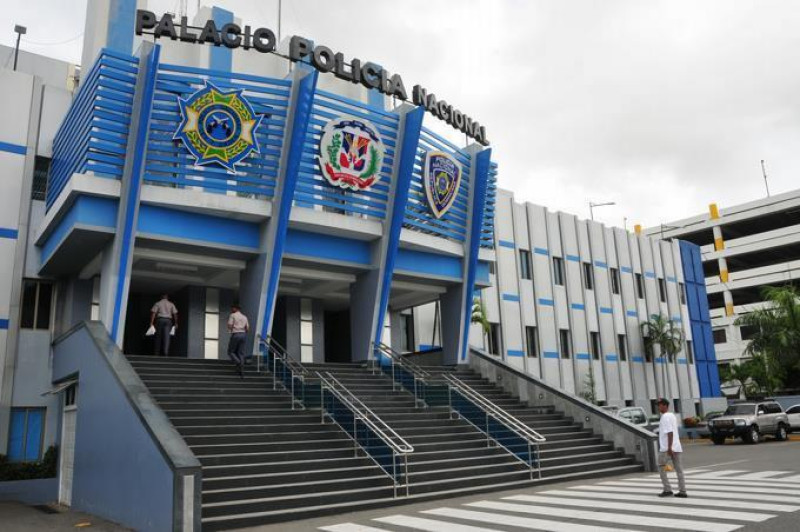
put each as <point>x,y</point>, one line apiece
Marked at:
<point>264,462</point>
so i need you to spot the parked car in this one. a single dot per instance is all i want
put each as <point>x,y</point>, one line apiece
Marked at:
<point>634,415</point>
<point>793,413</point>
<point>703,429</point>
<point>750,422</point>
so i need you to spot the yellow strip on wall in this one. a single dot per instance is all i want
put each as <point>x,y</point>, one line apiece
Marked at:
<point>723,276</point>
<point>719,244</point>
<point>729,309</point>
<point>637,229</point>
<point>713,210</point>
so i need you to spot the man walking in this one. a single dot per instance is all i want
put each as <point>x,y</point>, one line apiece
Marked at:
<point>238,326</point>
<point>669,449</point>
<point>163,317</point>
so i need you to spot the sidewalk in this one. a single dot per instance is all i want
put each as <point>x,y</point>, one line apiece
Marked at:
<point>18,517</point>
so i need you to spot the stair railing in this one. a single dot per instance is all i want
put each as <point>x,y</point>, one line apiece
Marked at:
<point>368,431</point>
<point>286,371</point>
<point>402,371</point>
<point>505,430</point>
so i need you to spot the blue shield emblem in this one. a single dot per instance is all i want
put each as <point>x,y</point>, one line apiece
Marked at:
<point>442,179</point>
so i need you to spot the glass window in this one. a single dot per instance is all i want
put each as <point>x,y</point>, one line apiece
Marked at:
<point>794,410</point>
<point>407,332</point>
<point>639,285</point>
<point>558,271</point>
<point>748,332</point>
<point>690,351</point>
<point>525,264</point>
<point>594,345</point>
<point>662,290</point>
<point>740,410</point>
<point>588,276</point>
<point>41,167</point>
<point>494,339</point>
<point>566,347</point>
<point>682,293</point>
<point>37,299</point>
<point>720,336</point>
<point>25,434</point>
<point>622,347</point>
<point>614,280</point>
<point>648,352</point>
<point>532,341</point>
<point>491,268</point>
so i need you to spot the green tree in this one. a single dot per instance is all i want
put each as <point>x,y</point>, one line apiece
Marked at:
<point>589,387</point>
<point>663,333</point>
<point>479,315</point>
<point>776,336</point>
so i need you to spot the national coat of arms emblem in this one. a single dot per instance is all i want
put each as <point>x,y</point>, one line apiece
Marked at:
<point>218,126</point>
<point>442,178</point>
<point>351,153</point>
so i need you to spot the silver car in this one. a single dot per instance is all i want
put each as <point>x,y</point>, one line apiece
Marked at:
<point>793,413</point>
<point>750,422</point>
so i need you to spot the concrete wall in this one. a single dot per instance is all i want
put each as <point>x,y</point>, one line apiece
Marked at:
<point>39,491</point>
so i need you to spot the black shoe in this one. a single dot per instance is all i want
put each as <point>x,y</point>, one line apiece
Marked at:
<point>681,495</point>
<point>665,494</point>
<point>241,372</point>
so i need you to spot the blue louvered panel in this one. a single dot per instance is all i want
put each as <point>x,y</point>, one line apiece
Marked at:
<point>487,231</point>
<point>313,191</point>
<point>169,163</point>
<point>418,215</point>
<point>94,134</point>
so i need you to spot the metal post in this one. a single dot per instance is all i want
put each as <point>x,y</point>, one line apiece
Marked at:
<point>394,472</point>
<point>20,31</point>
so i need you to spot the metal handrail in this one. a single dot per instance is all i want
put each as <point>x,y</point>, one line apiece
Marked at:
<point>397,357</point>
<point>361,412</point>
<point>530,436</point>
<point>296,370</point>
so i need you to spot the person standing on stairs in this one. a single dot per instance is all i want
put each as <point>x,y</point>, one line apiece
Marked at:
<point>238,326</point>
<point>164,318</point>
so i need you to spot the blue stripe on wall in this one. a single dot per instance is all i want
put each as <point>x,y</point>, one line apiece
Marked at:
<point>600,264</point>
<point>676,319</point>
<point>650,275</point>
<point>13,148</point>
<point>482,275</point>
<point>660,360</point>
<point>86,211</point>
<point>510,297</point>
<point>550,354</point>
<point>317,245</point>
<point>515,353</point>
<point>672,279</point>
<point>7,232</point>
<point>546,302</point>
<point>637,359</point>
<point>3,323</point>
<point>573,258</point>
<point>606,310</point>
<point>611,357</point>
<point>221,57</point>
<point>578,306</point>
<point>582,356</point>
<point>682,361</point>
<point>541,251</point>
<point>506,244</point>
<point>179,224</point>
<point>626,269</point>
<point>632,313</point>
<point>428,263</point>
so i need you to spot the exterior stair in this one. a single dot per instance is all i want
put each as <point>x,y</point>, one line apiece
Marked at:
<point>263,462</point>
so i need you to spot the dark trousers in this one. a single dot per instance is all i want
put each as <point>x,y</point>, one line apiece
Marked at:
<point>163,326</point>
<point>236,347</point>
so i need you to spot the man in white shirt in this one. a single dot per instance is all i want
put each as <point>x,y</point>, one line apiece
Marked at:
<point>163,317</point>
<point>669,449</point>
<point>238,325</point>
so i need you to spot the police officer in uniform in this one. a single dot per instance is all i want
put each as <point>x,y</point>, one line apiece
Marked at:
<point>163,316</point>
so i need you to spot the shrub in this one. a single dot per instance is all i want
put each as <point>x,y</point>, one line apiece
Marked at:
<point>44,468</point>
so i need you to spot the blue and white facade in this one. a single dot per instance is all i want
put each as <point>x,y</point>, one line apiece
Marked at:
<point>103,210</point>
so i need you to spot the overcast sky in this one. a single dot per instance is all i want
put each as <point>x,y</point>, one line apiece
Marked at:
<point>659,106</point>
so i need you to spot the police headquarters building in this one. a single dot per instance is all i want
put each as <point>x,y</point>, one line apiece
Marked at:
<point>204,160</point>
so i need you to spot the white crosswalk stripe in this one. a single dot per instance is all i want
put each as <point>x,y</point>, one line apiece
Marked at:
<point>719,501</point>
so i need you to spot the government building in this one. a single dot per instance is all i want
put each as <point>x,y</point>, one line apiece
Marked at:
<point>359,233</point>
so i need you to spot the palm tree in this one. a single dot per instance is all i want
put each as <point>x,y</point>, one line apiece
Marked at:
<point>479,315</point>
<point>667,336</point>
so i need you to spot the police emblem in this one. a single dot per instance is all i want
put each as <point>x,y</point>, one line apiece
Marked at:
<point>442,177</point>
<point>218,127</point>
<point>351,153</point>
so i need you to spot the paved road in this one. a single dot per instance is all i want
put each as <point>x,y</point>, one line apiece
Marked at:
<point>734,487</point>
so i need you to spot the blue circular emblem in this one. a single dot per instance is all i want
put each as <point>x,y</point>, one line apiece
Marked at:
<point>218,127</point>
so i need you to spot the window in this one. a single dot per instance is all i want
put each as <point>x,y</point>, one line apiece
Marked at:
<point>614,280</point>
<point>622,347</point>
<point>690,351</point>
<point>639,285</point>
<point>594,345</point>
<point>748,332</point>
<point>494,339</point>
<point>70,395</point>
<point>588,276</point>
<point>525,264</point>
<point>25,434</point>
<point>648,351</point>
<point>558,271</point>
<point>654,406</point>
<point>794,410</point>
<point>773,408</point>
<point>37,297</point>
<point>491,268</point>
<point>41,167</point>
<point>533,341</point>
<point>566,348</point>
<point>407,332</point>
<point>682,293</point>
<point>676,405</point>
<point>720,336</point>
<point>662,290</point>
<point>211,324</point>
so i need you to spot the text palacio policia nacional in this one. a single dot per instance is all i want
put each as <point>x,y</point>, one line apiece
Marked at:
<point>320,57</point>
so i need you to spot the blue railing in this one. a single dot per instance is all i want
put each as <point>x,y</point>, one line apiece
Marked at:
<point>93,137</point>
<point>313,191</point>
<point>169,163</point>
<point>369,432</point>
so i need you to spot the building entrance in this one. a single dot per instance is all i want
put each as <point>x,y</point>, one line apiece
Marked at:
<point>138,319</point>
<point>338,346</point>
